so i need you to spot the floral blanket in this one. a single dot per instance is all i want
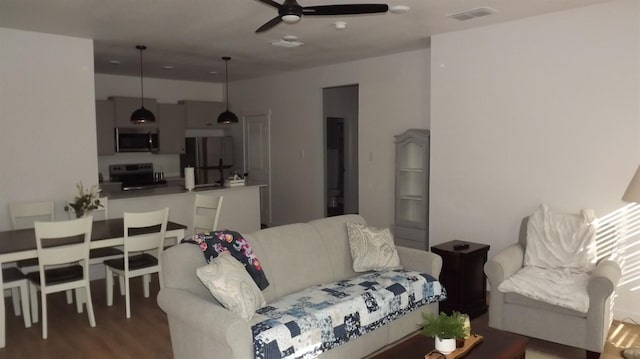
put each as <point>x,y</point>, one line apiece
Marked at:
<point>212,243</point>
<point>307,323</point>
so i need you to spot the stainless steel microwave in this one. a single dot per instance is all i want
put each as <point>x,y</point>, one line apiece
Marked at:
<point>137,140</point>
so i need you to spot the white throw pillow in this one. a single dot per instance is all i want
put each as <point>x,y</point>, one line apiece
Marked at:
<point>229,282</point>
<point>372,248</point>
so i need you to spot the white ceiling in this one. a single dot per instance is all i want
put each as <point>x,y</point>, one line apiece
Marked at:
<point>193,35</point>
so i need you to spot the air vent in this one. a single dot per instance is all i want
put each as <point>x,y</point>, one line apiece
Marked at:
<point>470,14</point>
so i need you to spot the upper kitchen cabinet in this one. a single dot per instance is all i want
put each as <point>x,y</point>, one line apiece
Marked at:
<point>203,114</point>
<point>124,107</point>
<point>105,123</point>
<point>171,125</point>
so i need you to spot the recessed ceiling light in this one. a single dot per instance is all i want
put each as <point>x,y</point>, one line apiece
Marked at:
<point>286,43</point>
<point>167,67</point>
<point>399,9</point>
<point>114,62</point>
<point>213,72</point>
<point>340,25</point>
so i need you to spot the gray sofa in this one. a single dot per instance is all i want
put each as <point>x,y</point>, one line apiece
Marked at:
<point>293,257</point>
<point>519,314</point>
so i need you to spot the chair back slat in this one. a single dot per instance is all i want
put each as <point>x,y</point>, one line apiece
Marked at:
<point>24,214</point>
<point>53,245</point>
<point>148,241</point>
<point>206,213</point>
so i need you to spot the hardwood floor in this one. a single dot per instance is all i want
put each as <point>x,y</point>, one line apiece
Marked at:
<point>621,336</point>
<point>146,333</point>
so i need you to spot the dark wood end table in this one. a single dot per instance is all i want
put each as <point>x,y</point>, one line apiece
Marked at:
<point>463,277</point>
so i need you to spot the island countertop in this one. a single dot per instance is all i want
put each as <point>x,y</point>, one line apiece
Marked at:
<point>114,192</point>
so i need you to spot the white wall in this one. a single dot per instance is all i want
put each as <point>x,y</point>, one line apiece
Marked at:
<point>47,118</point>
<point>393,97</point>
<point>164,91</point>
<point>545,109</point>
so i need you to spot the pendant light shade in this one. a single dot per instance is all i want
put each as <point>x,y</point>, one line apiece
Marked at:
<point>142,115</point>
<point>227,116</point>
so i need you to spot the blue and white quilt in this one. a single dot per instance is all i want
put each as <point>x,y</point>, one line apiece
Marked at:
<point>307,323</point>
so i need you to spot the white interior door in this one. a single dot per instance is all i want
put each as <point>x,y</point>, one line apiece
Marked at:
<point>258,159</point>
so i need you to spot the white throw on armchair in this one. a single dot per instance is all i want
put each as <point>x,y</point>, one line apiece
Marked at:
<point>514,312</point>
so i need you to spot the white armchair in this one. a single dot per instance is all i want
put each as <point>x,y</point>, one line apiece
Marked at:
<point>516,313</point>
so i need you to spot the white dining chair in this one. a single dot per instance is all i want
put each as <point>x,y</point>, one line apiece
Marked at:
<point>16,281</point>
<point>23,215</point>
<point>206,212</point>
<point>57,244</point>
<point>99,255</point>
<point>141,253</point>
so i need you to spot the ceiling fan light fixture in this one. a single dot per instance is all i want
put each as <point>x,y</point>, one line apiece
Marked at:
<point>227,116</point>
<point>142,115</point>
<point>290,19</point>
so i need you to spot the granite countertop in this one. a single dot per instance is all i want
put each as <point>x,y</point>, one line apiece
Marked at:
<point>113,191</point>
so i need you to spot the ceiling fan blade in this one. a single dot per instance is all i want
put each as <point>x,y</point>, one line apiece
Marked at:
<point>349,9</point>
<point>271,2</point>
<point>269,24</point>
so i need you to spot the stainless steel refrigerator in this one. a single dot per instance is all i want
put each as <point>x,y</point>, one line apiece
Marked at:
<point>209,156</point>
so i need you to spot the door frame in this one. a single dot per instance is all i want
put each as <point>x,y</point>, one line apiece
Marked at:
<point>267,189</point>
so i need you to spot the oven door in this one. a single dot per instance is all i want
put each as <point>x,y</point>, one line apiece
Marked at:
<point>136,140</point>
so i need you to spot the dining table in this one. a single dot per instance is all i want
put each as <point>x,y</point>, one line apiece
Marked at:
<point>20,244</point>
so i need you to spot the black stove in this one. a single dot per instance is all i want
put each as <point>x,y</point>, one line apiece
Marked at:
<point>136,176</point>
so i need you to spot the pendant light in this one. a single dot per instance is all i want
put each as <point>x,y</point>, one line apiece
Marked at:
<point>227,116</point>
<point>142,115</point>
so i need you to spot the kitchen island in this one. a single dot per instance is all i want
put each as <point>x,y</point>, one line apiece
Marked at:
<point>240,208</point>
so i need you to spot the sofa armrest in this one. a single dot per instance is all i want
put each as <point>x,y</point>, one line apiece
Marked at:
<point>420,261</point>
<point>604,279</point>
<point>504,264</point>
<point>602,283</point>
<point>226,333</point>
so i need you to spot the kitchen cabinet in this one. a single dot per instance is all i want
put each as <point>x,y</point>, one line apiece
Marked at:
<point>171,126</point>
<point>105,124</point>
<point>125,106</point>
<point>412,189</point>
<point>203,114</point>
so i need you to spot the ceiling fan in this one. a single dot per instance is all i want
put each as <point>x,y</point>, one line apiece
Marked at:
<point>291,12</point>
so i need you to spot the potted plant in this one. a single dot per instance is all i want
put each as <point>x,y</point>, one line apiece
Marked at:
<point>445,329</point>
<point>86,201</point>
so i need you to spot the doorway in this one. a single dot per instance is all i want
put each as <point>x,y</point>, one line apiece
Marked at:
<point>340,108</point>
<point>257,151</point>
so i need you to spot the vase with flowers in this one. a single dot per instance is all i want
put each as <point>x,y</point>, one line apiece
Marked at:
<point>86,201</point>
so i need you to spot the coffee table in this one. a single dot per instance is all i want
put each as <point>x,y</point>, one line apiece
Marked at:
<point>497,344</point>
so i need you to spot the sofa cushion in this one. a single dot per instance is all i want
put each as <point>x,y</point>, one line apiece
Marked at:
<point>557,240</point>
<point>231,285</point>
<point>293,258</point>
<point>372,248</point>
<point>333,231</point>
<point>314,320</point>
